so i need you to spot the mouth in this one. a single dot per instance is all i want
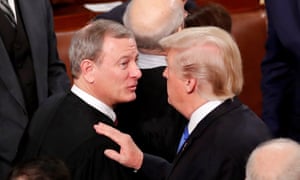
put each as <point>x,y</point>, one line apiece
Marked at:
<point>132,87</point>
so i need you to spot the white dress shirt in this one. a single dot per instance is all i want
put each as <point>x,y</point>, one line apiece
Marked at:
<point>201,112</point>
<point>149,61</point>
<point>11,3</point>
<point>94,102</point>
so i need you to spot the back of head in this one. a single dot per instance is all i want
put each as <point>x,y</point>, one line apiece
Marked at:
<point>211,14</point>
<point>208,54</point>
<point>87,43</point>
<point>40,169</point>
<point>277,159</point>
<point>151,20</point>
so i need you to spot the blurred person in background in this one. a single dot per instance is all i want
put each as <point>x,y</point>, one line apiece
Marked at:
<point>30,71</point>
<point>281,69</point>
<point>276,159</point>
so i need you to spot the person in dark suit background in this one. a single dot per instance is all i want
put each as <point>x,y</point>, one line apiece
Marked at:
<point>30,71</point>
<point>116,14</point>
<point>103,63</point>
<point>281,69</point>
<point>204,77</point>
<point>150,120</point>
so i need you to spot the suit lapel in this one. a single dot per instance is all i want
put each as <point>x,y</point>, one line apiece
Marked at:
<point>8,76</point>
<point>212,117</point>
<point>35,25</point>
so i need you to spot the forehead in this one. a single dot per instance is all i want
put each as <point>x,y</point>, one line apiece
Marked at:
<point>113,45</point>
<point>171,53</point>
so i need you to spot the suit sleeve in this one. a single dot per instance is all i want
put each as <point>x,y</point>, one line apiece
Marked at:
<point>155,168</point>
<point>280,63</point>
<point>58,80</point>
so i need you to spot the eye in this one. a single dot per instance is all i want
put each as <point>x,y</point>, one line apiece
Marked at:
<point>124,63</point>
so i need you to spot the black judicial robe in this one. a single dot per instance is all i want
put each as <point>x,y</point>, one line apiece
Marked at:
<point>63,128</point>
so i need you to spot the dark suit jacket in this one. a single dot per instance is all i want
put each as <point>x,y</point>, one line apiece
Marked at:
<point>153,124</point>
<point>63,128</point>
<point>50,76</point>
<point>281,69</point>
<point>217,149</point>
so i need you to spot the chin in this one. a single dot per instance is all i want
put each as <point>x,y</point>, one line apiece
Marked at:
<point>169,101</point>
<point>130,98</point>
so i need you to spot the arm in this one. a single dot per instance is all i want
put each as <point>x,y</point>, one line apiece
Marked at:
<point>280,60</point>
<point>58,80</point>
<point>131,156</point>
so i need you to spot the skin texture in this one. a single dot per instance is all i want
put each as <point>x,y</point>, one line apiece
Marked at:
<point>130,155</point>
<point>120,67</point>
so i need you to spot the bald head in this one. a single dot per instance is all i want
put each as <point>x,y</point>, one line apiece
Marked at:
<point>277,159</point>
<point>151,20</point>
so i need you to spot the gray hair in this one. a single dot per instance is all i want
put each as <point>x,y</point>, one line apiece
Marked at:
<point>87,43</point>
<point>276,159</point>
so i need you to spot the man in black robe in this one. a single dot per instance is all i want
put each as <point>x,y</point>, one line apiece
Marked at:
<point>103,62</point>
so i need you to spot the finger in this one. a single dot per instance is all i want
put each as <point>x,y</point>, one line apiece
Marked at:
<point>108,131</point>
<point>112,154</point>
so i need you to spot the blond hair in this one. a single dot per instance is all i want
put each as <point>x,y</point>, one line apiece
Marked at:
<point>210,54</point>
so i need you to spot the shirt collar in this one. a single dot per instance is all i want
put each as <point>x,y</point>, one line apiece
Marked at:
<point>13,8</point>
<point>94,102</point>
<point>201,112</point>
<point>149,61</point>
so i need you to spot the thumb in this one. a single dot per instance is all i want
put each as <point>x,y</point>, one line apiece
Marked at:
<point>112,154</point>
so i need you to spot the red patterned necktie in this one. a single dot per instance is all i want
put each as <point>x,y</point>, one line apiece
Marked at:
<point>116,122</point>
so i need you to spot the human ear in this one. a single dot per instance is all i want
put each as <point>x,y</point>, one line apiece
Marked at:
<point>190,85</point>
<point>87,68</point>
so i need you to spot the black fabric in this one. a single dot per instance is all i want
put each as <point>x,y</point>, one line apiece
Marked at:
<point>63,128</point>
<point>18,47</point>
<point>49,73</point>
<point>217,149</point>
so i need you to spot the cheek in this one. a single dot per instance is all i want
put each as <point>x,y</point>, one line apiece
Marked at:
<point>122,81</point>
<point>172,93</point>
<point>174,89</point>
<point>170,87</point>
<point>112,80</point>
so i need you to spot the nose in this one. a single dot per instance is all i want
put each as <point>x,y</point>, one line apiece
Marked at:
<point>136,72</point>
